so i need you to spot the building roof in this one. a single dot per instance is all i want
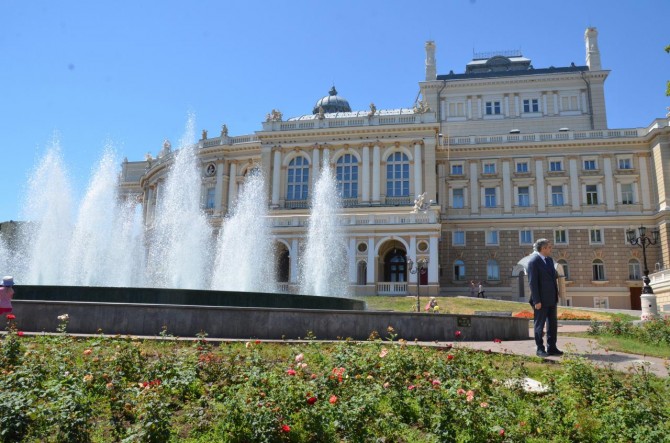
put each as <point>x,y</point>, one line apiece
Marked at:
<point>332,103</point>
<point>511,73</point>
<point>353,114</point>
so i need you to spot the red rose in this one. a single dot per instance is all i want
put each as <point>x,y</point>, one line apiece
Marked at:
<point>501,432</point>
<point>291,372</point>
<point>450,357</point>
<point>11,316</point>
<point>497,340</point>
<point>333,399</point>
<point>457,334</point>
<point>20,333</point>
<point>285,428</point>
<point>258,342</point>
<point>311,400</point>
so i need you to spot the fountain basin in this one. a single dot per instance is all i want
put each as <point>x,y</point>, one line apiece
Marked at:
<point>194,297</point>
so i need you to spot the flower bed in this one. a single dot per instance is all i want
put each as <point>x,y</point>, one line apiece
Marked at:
<point>59,388</point>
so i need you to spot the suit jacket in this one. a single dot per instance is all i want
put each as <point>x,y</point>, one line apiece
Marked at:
<point>542,281</point>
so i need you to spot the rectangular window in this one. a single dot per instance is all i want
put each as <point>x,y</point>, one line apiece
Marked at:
<point>490,197</point>
<point>531,105</point>
<point>526,237</point>
<point>456,109</point>
<point>457,169</point>
<point>524,196</point>
<point>625,163</point>
<point>555,166</point>
<point>557,195</point>
<point>596,236</point>
<point>560,236</point>
<point>209,202</point>
<point>569,103</point>
<point>458,238</point>
<point>522,167</point>
<point>492,237</point>
<point>627,193</point>
<point>590,165</point>
<point>493,108</point>
<point>601,302</point>
<point>489,168</point>
<point>458,201</point>
<point>591,194</point>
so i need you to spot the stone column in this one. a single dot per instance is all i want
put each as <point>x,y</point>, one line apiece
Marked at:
<point>645,192</point>
<point>574,184</point>
<point>365,175</point>
<point>506,183</point>
<point>218,190</point>
<point>539,180</point>
<point>232,185</point>
<point>418,179</point>
<point>371,277</point>
<point>315,167</point>
<point>433,265</point>
<point>609,183</point>
<point>474,187</point>
<point>376,166</point>
<point>412,254</point>
<point>276,177</point>
<point>352,261</point>
<point>293,259</point>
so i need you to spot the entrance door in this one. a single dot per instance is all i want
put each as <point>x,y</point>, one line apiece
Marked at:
<point>397,267</point>
<point>635,302</point>
<point>424,276</point>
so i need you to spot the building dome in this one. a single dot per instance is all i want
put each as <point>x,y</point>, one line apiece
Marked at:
<point>332,103</point>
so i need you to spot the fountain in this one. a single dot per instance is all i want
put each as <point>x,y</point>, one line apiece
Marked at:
<point>324,270</point>
<point>245,258</point>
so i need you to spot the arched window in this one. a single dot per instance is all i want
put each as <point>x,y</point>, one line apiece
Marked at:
<point>566,269</point>
<point>459,270</point>
<point>298,179</point>
<point>397,175</point>
<point>347,176</point>
<point>362,273</point>
<point>598,270</point>
<point>634,269</point>
<point>492,270</point>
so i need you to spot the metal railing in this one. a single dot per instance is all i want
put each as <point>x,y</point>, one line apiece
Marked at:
<point>392,288</point>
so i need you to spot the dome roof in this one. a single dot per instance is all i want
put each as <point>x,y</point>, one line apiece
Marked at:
<point>332,103</point>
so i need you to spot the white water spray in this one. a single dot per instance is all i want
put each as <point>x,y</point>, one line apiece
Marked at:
<point>245,259</point>
<point>180,237</point>
<point>324,263</point>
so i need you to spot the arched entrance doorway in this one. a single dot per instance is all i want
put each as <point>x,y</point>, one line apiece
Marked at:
<point>282,266</point>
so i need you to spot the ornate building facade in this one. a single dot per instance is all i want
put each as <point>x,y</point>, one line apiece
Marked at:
<point>507,152</point>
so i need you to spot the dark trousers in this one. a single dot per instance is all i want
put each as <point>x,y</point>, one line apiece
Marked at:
<point>546,315</point>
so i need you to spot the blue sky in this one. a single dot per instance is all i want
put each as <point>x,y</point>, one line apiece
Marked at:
<point>128,72</point>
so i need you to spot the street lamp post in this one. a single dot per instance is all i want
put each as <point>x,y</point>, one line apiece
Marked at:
<point>416,268</point>
<point>648,299</point>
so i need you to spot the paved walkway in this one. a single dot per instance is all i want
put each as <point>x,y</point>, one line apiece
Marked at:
<point>584,347</point>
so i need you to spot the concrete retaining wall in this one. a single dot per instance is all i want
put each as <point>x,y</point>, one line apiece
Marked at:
<point>261,323</point>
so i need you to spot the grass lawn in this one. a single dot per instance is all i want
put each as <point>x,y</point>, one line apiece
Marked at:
<point>625,344</point>
<point>468,305</point>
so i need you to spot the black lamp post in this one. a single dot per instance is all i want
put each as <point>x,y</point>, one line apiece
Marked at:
<point>643,240</point>
<point>416,268</point>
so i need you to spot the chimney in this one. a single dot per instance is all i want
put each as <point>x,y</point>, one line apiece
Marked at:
<point>431,68</point>
<point>592,51</point>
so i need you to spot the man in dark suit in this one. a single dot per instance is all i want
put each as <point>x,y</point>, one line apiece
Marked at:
<point>542,277</point>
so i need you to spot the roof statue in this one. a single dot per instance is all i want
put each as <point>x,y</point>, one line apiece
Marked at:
<point>421,107</point>
<point>373,110</point>
<point>321,113</point>
<point>224,131</point>
<point>420,204</point>
<point>204,134</point>
<point>274,116</point>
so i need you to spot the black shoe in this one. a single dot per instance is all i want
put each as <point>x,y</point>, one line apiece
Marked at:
<point>541,353</point>
<point>555,351</point>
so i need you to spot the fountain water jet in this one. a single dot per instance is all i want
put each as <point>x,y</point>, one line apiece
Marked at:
<point>324,262</point>
<point>244,260</point>
<point>180,236</point>
<point>105,250</point>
